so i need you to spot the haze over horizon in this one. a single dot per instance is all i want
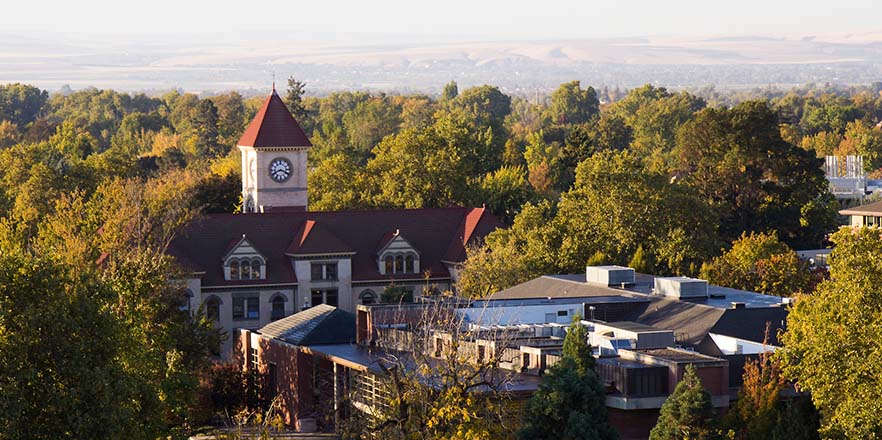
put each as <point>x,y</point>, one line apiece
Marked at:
<point>394,45</point>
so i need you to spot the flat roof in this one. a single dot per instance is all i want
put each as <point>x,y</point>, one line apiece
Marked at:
<point>520,302</point>
<point>676,355</point>
<point>632,326</point>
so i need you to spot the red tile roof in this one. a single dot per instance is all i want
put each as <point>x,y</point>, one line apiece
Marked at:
<point>470,229</point>
<point>313,238</point>
<point>438,234</point>
<point>273,126</point>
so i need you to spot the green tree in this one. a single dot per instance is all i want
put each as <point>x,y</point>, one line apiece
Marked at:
<point>570,104</point>
<point>504,192</point>
<point>842,316</point>
<point>756,181</point>
<point>759,262</point>
<point>206,135</point>
<point>570,403</point>
<point>450,92</point>
<point>294,98</point>
<point>21,104</point>
<point>60,352</point>
<point>687,413</point>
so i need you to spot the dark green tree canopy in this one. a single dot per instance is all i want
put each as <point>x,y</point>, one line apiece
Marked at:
<point>687,413</point>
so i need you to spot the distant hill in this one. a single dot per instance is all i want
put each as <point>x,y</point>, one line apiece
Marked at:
<point>214,64</point>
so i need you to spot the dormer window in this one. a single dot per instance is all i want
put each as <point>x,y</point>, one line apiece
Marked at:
<point>246,269</point>
<point>400,263</point>
<point>244,262</point>
<point>397,256</point>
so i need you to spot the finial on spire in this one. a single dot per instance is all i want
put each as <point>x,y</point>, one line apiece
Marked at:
<point>274,82</point>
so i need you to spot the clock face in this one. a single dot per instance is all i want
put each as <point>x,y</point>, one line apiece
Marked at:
<point>280,169</point>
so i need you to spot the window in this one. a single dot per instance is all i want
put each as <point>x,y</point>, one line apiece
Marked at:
<point>273,381</point>
<point>331,297</point>
<point>399,264</point>
<point>246,307</point>
<point>212,308</point>
<point>255,360</point>
<point>278,312</point>
<point>403,263</point>
<point>234,270</point>
<point>408,264</point>
<point>317,297</point>
<point>562,313</point>
<point>245,270</point>
<point>255,269</point>
<point>390,267</point>
<point>326,296</point>
<point>368,297</point>
<point>323,271</point>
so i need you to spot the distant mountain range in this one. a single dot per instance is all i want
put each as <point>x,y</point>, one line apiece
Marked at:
<point>216,63</point>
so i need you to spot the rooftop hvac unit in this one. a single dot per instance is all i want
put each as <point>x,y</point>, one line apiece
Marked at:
<point>609,275</point>
<point>681,287</point>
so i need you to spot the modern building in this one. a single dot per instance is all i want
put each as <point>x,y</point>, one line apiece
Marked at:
<point>278,258</point>
<point>644,330</point>
<point>864,215</point>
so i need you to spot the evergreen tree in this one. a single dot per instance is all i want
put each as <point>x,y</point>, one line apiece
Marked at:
<point>687,414</point>
<point>451,90</point>
<point>570,402</point>
<point>640,261</point>
<point>294,98</point>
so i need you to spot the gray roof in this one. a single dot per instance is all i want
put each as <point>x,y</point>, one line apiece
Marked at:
<point>690,319</point>
<point>322,324</point>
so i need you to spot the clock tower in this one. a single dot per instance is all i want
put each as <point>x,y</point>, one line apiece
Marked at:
<point>273,150</point>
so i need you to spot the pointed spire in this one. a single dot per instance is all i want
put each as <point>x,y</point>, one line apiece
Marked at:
<point>273,126</point>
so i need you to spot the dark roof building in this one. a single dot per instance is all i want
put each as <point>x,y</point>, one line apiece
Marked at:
<point>278,258</point>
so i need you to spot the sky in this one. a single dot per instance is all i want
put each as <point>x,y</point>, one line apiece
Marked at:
<point>465,20</point>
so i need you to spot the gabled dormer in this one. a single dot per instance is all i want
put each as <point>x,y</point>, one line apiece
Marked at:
<point>243,261</point>
<point>395,255</point>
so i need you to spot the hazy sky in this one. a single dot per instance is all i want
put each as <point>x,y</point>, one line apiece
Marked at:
<point>457,19</point>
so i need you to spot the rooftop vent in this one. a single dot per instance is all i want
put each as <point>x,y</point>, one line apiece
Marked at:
<point>609,275</point>
<point>738,305</point>
<point>681,287</point>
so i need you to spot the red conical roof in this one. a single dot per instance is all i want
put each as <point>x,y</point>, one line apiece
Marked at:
<point>273,126</point>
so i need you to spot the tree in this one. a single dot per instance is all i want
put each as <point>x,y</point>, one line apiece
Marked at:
<point>439,392</point>
<point>799,420</point>
<point>451,91</point>
<point>504,192</point>
<point>757,411</point>
<point>831,347</point>
<point>21,104</point>
<point>756,181</point>
<point>570,403</point>
<point>59,353</point>
<point>570,104</point>
<point>759,262</point>
<point>294,98</point>
<point>687,413</point>
<point>205,124</point>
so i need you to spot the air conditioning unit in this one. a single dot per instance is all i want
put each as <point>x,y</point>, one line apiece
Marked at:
<point>609,275</point>
<point>681,287</point>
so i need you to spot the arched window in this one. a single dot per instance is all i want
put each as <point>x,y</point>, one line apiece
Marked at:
<point>234,270</point>
<point>245,269</point>
<point>399,264</point>
<point>212,308</point>
<point>255,269</point>
<point>368,297</point>
<point>390,268</point>
<point>278,311</point>
<point>408,264</point>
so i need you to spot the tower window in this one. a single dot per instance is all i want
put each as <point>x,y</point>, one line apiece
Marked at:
<point>234,270</point>
<point>408,264</point>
